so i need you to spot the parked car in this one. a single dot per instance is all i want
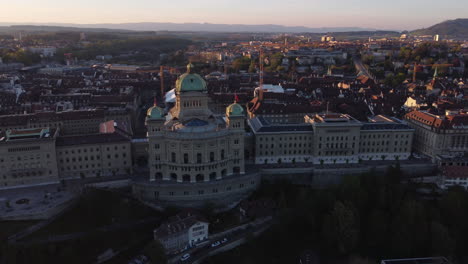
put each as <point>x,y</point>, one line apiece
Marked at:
<point>224,240</point>
<point>185,257</point>
<point>215,244</point>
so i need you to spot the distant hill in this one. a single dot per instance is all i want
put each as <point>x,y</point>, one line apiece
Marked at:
<point>457,28</point>
<point>207,27</point>
<point>44,28</point>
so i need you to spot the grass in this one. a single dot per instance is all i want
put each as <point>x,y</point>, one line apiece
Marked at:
<point>8,228</point>
<point>97,209</point>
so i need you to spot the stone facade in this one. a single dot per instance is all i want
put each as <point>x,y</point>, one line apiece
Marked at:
<point>181,231</point>
<point>190,146</point>
<point>27,157</point>
<point>331,138</point>
<point>69,122</point>
<point>92,156</point>
<point>439,135</point>
<point>30,157</point>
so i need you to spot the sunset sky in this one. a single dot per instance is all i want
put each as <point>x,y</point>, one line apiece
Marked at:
<point>382,14</point>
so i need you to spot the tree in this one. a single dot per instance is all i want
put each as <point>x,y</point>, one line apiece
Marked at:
<point>345,218</point>
<point>241,64</point>
<point>252,67</point>
<point>441,241</point>
<point>155,252</point>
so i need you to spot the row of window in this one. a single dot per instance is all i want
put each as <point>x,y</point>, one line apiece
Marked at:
<point>291,145</point>
<point>198,177</point>
<point>87,166</point>
<point>274,139</point>
<point>199,159</point>
<point>91,158</point>
<point>202,192</point>
<point>115,148</point>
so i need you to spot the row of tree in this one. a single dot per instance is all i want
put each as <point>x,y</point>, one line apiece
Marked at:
<point>373,216</point>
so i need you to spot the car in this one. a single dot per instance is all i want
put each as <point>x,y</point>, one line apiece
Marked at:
<point>215,244</point>
<point>224,240</point>
<point>185,257</point>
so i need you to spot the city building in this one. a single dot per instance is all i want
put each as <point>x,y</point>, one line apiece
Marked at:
<point>453,171</point>
<point>439,134</point>
<point>182,231</point>
<point>95,155</point>
<point>27,158</point>
<point>41,156</point>
<point>70,122</point>
<point>195,156</point>
<point>330,139</point>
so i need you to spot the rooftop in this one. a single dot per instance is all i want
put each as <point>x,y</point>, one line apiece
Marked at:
<point>31,133</point>
<point>434,260</point>
<point>261,125</point>
<point>91,139</point>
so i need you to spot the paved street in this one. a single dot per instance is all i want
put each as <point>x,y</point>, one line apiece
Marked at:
<point>234,237</point>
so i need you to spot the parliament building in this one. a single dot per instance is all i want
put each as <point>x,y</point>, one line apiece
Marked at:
<point>195,156</point>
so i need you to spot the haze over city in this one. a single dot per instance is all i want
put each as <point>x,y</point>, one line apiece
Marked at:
<point>394,15</point>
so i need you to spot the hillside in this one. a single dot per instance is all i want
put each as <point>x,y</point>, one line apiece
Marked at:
<point>200,27</point>
<point>457,28</point>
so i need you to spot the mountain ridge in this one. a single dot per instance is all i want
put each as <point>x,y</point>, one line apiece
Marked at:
<point>450,28</point>
<point>208,27</point>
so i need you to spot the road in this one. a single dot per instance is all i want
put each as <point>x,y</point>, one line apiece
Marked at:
<point>362,68</point>
<point>235,237</point>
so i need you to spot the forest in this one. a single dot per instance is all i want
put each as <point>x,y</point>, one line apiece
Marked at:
<point>365,219</point>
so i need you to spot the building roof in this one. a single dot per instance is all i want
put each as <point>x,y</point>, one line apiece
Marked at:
<point>234,109</point>
<point>434,260</point>
<point>178,224</point>
<point>155,112</point>
<point>190,82</point>
<point>449,121</point>
<point>29,133</point>
<point>11,120</point>
<point>91,139</point>
<point>455,171</point>
<point>384,126</point>
<point>261,125</point>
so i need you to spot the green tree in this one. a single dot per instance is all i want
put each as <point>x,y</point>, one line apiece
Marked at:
<point>347,227</point>
<point>241,64</point>
<point>155,253</point>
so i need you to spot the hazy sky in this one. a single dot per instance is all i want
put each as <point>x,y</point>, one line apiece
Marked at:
<point>385,14</point>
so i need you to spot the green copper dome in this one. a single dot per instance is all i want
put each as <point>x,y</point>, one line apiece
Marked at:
<point>155,112</point>
<point>188,82</point>
<point>234,109</point>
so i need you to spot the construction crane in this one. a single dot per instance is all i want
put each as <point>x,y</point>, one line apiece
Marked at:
<point>260,92</point>
<point>172,70</point>
<point>415,69</point>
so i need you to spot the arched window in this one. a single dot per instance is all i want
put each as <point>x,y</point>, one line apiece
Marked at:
<point>173,177</point>
<point>158,176</point>
<point>200,177</point>
<point>186,178</point>
<point>236,170</point>
<point>212,176</point>
<point>223,173</point>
